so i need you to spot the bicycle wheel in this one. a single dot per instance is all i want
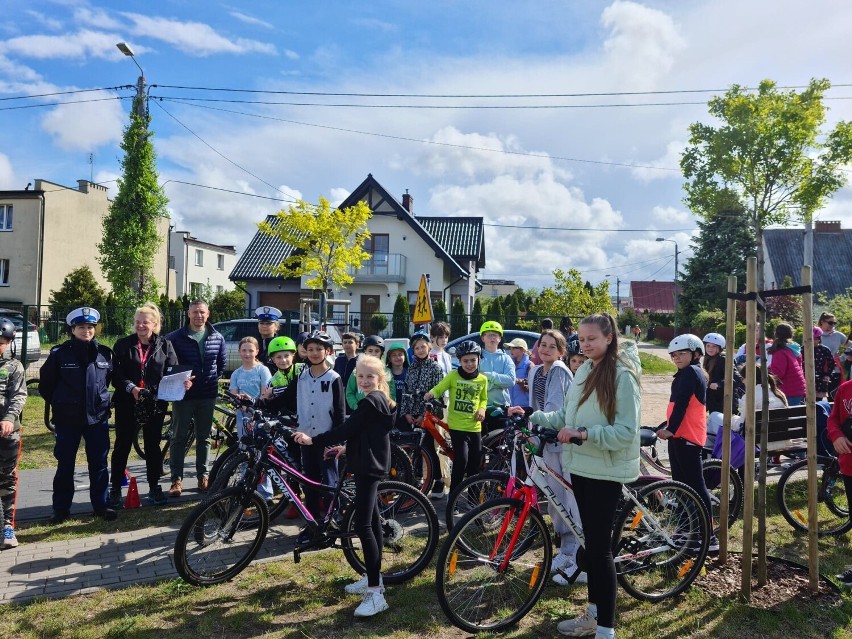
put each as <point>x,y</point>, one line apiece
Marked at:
<point>713,480</point>
<point>410,529</point>
<point>32,391</point>
<point>472,492</point>
<point>401,468</point>
<point>660,548</point>
<point>231,474</point>
<point>476,590</point>
<point>422,467</point>
<point>165,437</point>
<point>219,463</point>
<point>168,431</point>
<point>215,544</point>
<point>832,505</point>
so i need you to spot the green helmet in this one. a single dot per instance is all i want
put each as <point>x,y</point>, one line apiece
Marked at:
<point>280,344</point>
<point>491,326</point>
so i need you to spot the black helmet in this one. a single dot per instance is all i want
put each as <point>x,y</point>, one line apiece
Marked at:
<point>573,346</point>
<point>374,340</point>
<point>318,337</point>
<point>7,329</point>
<point>468,347</point>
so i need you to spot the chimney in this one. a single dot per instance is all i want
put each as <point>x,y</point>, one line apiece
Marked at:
<point>828,226</point>
<point>83,186</point>
<point>408,202</point>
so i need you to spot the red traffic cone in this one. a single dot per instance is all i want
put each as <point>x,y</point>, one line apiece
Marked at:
<point>132,500</point>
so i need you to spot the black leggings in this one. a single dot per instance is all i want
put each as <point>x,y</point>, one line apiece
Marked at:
<point>597,500</point>
<point>467,455</point>
<point>685,460</point>
<point>125,431</point>
<point>847,482</point>
<point>368,525</point>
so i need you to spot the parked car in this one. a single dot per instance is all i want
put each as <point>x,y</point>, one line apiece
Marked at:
<point>528,336</point>
<point>33,353</point>
<point>235,330</point>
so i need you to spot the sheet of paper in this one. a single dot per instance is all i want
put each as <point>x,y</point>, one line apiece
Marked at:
<point>171,386</point>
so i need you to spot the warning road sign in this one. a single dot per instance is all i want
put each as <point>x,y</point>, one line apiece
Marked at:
<point>423,306</point>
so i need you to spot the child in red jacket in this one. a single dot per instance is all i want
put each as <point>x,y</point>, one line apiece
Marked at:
<point>840,434</point>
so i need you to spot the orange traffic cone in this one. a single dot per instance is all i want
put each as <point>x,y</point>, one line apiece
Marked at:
<point>132,500</point>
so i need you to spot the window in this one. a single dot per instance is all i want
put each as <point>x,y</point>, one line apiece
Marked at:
<point>378,246</point>
<point>220,290</point>
<point>4,272</point>
<point>5,217</point>
<point>195,291</point>
<point>199,257</point>
<point>220,263</point>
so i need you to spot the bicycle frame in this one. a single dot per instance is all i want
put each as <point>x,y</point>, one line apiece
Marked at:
<point>430,424</point>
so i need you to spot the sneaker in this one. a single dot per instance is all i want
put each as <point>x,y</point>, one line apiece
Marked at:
<point>437,490</point>
<point>562,578</point>
<point>176,489</point>
<point>59,517</point>
<point>845,579</point>
<point>157,496</point>
<point>360,587</point>
<point>305,537</point>
<point>107,514</point>
<point>203,484</point>
<point>116,501</point>
<point>560,561</point>
<point>9,539</point>
<point>713,547</point>
<point>583,626</point>
<point>372,604</point>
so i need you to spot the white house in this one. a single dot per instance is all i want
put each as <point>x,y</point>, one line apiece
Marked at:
<point>449,250</point>
<point>198,264</point>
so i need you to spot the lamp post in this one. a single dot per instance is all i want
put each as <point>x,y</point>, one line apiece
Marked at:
<point>662,239</point>
<point>140,83</point>
<point>617,293</point>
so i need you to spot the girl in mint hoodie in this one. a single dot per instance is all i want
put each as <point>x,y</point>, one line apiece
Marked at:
<point>602,410</point>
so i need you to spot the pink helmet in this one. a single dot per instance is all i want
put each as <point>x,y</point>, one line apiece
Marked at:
<point>817,332</point>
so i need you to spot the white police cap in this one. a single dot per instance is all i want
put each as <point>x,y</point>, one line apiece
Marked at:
<point>83,315</point>
<point>267,314</point>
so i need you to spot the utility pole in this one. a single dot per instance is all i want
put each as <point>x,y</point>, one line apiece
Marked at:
<point>662,239</point>
<point>617,293</point>
<point>141,107</point>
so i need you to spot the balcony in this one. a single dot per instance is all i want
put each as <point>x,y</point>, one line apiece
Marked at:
<point>381,267</point>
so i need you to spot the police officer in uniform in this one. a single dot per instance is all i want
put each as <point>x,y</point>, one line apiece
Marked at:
<point>75,379</point>
<point>267,326</point>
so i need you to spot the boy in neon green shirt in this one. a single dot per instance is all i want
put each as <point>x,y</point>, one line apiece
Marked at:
<point>468,397</point>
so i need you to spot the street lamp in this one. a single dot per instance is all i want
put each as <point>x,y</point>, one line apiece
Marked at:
<point>140,83</point>
<point>617,293</point>
<point>662,239</point>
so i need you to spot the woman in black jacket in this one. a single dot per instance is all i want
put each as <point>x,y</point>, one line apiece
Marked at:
<point>366,433</point>
<point>139,362</point>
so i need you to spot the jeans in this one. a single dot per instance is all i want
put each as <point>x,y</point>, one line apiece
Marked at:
<point>68,438</point>
<point>183,414</point>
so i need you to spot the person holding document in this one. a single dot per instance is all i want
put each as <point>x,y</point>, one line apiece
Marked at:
<point>139,362</point>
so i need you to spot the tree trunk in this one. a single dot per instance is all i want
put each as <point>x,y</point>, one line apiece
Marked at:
<point>764,422</point>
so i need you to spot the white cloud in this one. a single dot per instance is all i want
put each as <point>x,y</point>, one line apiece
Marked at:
<point>45,21</point>
<point>375,24</point>
<point>84,127</point>
<point>669,160</point>
<point>336,195</point>
<point>668,215</point>
<point>247,19</point>
<point>291,55</point>
<point>82,44</point>
<point>8,180</point>
<point>96,18</point>
<point>194,38</point>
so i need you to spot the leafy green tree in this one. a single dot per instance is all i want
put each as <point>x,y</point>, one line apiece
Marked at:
<point>328,243</point>
<point>439,311</point>
<point>708,321</point>
<point>627,318</point>
<point>131,235</point>
<point>228,305</point>
<point>401,317</point>
<point>458,319</point>
<point>79,288</point>
<point>724,242</point>
<point>569,296</point>
<point>476,315</point>
<point>495,311</point>
<point>841,306</point>
<point>512,312</point>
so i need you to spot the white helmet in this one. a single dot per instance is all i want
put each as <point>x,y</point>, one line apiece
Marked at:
<point>686,342</point>
<point>715,338</point>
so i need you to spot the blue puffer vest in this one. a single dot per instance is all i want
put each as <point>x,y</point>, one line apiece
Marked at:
<point>207,372</point>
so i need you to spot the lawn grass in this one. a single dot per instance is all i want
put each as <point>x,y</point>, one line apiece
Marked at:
<point>653,365</point>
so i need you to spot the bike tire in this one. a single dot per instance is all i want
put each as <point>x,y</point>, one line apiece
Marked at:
<point>474,592</point>
<point>832,505</point>
<point>649,566</point>
<point>32,390</point>
<point>422,467</point>
<point>218,464</point>
<point>165,437</point>
<point>213,545</point>
<point>472,492</point>
<point>410,530</point>
<point>168,431</point>
<point>401,468</point>
<point>231,474</point>
<point>712,469</point>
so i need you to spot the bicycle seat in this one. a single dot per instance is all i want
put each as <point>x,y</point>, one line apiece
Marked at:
<point>647,436</point>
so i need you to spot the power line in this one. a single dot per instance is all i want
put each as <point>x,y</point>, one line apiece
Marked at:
<point>45,95</point>
<point>569,228</point>
<point>216,188</point>
<point>49,104</point>
<point>421,141</point>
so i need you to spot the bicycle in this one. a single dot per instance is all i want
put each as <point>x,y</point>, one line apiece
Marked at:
<point>494,565</point>
<point>791,495</point>
<point>222,535</point>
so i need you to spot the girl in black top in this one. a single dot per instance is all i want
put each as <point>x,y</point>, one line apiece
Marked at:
<point>366,433</point>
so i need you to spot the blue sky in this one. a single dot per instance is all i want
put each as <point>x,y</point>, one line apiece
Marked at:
<point>592,164</point>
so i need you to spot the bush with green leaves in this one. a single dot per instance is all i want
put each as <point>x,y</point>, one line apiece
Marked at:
<point>378,323</point>
<point>401,317</point>
<point>458,319</point>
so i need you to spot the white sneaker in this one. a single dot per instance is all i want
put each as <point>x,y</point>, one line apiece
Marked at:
<point>561,579</point>
<point>559,562</point>
<point>583,626</point>
<point>372,604</point>
<point>360,587</point>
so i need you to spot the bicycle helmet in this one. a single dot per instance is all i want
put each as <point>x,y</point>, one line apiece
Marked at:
<point>418,336</point>
<point>280,344</point>
<point>715,338</point>
<point>468,348</point>
<point>374,340</point>
<point>686,342</point>
<point>319,337</point>
<point>491,326</point>
<point>573,347</point>
<point>7,329</point>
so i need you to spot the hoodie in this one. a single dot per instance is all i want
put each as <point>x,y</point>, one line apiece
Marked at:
<point>786,365</point>
<point>499,369</point>
<point>422,375</point>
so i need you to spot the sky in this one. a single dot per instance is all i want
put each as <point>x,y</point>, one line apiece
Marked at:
<point>244,124</point>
